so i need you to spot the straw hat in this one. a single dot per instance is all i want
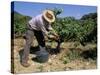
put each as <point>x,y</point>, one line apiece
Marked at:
<point>49,16</point>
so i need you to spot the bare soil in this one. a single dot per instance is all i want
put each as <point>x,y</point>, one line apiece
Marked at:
<point>56,62</point>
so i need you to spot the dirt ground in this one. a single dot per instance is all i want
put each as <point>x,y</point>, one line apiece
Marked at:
<point>56,62</point>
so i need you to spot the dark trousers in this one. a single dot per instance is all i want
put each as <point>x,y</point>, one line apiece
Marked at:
<point>30,33</point>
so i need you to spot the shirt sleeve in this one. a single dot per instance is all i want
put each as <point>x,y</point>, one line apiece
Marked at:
<point>45,32</point>
<point>43,29</point>
<point>51,30</point>
<point>40,25</point>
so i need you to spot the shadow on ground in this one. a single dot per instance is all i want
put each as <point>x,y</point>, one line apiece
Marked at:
<point>90,54</point>
<point>33,50</point>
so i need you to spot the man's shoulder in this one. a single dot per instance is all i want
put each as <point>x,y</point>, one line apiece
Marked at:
<point>38,17</point>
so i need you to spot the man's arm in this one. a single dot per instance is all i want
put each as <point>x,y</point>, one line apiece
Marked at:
<point>52,33</point>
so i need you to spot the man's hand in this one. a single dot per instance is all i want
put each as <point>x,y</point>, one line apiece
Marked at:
<point>54,37</point>
<point>57,38</point>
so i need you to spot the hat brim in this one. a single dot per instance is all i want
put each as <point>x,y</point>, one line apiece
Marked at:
<point>46,18</point>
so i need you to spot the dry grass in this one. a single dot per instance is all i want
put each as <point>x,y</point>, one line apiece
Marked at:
<point>68,59</point>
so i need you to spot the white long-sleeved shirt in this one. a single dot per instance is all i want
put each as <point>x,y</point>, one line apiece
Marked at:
<point>37,23</point>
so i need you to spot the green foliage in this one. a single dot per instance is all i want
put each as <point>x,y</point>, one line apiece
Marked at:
<point>65,27</point>
<point>57,11</point>
<point>82,30</point>
<point>89,24</point>
<point>68,28</point>
<point>20,22</point>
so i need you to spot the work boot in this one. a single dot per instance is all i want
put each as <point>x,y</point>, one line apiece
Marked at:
<point>25,64</point>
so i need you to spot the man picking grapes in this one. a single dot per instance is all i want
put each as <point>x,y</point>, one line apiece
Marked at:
<point>39,26</point>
